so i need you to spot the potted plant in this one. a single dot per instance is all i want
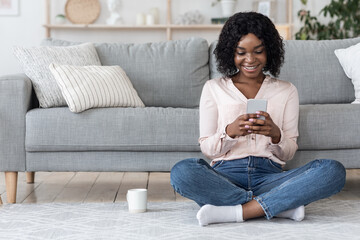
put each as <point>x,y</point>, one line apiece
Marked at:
<point>227,6</point>
<point>60,19</point>
<point>344,22</point>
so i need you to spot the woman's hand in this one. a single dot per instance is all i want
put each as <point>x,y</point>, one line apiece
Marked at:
<point>265,127</point>
<point>240,126</point>
<point>248,123</point>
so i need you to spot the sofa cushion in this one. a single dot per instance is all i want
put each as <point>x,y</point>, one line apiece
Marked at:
<point>214,73</point>
<point>85,87</point>
<point>171,129</point>
<point>329,126</point>
<point>165,74</point>
<point>36,60</point>
<point>113,129</point>
<point>313,68</point>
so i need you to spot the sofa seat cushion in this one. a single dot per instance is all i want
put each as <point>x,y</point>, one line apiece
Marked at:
<point>329,126</point>
<point>113,129</point>
<point>321,127</point>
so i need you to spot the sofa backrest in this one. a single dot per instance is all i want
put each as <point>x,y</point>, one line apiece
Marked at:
<point>313,68</point>
<point>165,74</point>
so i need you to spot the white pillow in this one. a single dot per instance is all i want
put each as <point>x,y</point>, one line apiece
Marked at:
<point>349,59</point>
<point>85,87</point>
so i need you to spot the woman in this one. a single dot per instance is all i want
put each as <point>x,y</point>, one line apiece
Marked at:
<point>245,179</point>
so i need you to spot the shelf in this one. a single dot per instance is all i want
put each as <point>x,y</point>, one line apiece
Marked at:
<point>200,26</point>
<point>284,29</point>
<point>100,26</point>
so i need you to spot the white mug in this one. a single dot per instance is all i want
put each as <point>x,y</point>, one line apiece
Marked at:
<point>137,200</point>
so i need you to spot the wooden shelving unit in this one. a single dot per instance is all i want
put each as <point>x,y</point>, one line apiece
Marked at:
<point>284,29</point>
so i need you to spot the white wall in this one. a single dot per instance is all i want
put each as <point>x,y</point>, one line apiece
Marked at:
<point>26,28</point>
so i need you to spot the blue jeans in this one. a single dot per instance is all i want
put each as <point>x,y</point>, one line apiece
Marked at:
<point>234,182</point>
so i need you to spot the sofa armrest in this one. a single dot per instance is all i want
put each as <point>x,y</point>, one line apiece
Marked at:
<point>16,98</point>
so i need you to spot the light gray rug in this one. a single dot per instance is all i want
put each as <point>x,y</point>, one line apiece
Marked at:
<point>326,219</point>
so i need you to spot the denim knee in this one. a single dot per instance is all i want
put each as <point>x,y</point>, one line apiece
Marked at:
<point>335,172</point>
<point>183,170</point>
<point>339,172</point>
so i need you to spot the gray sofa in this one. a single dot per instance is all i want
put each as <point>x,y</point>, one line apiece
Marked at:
<point>169,77</point>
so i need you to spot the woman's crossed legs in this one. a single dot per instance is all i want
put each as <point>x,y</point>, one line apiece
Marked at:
<point>236,182</point>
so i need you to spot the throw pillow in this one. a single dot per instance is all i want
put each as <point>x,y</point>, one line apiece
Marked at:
<point>349,59</point>
<point>85,87</point>
<point>35,62</point>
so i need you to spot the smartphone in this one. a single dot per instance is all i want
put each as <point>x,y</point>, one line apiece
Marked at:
<point>254,105</point>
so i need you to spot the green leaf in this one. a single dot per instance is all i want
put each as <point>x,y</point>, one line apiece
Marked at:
<point>345,15</point>
<point>303,36</point>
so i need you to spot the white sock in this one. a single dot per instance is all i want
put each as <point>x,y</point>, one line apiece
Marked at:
<point>296,214</point>
<point>219,214</point>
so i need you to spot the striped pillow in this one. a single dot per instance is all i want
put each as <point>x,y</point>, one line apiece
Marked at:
<point>85,87</point>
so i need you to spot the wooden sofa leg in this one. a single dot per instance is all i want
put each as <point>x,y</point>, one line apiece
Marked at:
<point>1,201</point>
<point>11,186</point>
<point>30,177</point>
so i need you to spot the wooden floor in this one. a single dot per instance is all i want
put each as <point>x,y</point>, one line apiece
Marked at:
<point>112,187</point>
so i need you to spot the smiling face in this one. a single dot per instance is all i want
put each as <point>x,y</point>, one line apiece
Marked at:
<point>250,57</point>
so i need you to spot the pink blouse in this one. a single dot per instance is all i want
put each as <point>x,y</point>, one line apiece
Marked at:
<point>221,103</point>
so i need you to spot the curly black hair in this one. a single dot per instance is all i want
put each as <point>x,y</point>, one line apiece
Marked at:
<point>241,24</point>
